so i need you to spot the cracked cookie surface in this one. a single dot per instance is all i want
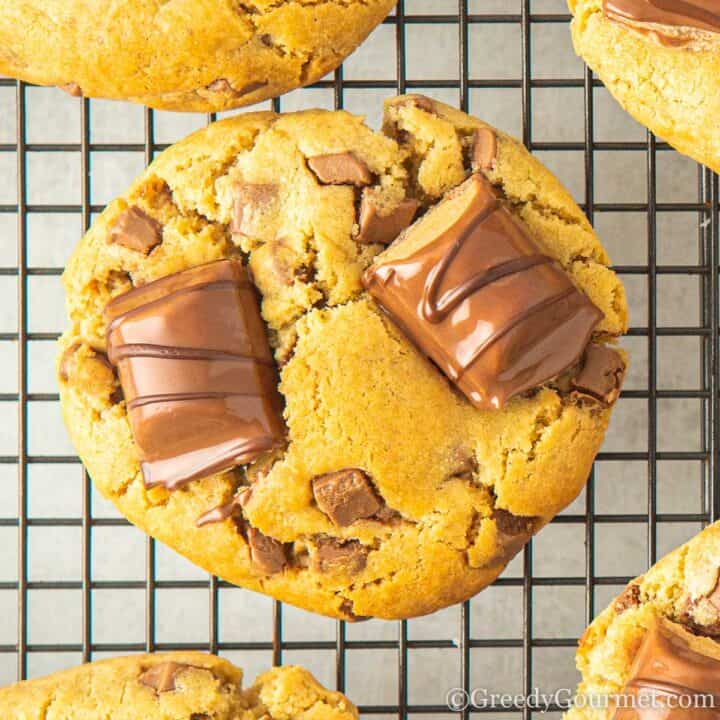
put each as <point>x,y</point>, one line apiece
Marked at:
<point>172,686</point>
<point>391,480</point>
<point>674,91</point>
<point>199,55</point>
<point>679,593</point>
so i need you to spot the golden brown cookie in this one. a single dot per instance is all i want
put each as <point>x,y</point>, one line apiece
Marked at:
<point>393,493</point>
<point>661,62</point>
<point>662,630</point>
<point>201,55</point>
<point>181,686</point>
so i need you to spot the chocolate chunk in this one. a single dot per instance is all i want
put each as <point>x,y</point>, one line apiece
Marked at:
<point>67,360</point>
<point>484,150</point>
<point>332,554</point>
<point>197,372</point>
<point>469,286</point>
<point>248,200</point>
<point>136,230</point>
<point>422,102</point>
<point>513,532</point>
<point>266,552</point>
<point>222,85</point>
<point>251,87</point>
<point>72,89</point>
<point>345,496</point>
<point>666,669</point>
<point>386,514</point>
<point>629,598</point>
<point>512,525</point>
<point>340,169</point>
<point>380,226</point>
<point>671,22</point>
<point>161,677</point>
<point>601,375</point>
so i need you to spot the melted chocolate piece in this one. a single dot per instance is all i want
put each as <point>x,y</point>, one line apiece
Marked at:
<point>249,198</point>
<point>266,552</point>
<point>513,532</point>
<point>340,169</point>
<point>475,293</point>
<point>676,16</point>
<point>601,375</point>
<point>333,555</point>
<point>136,230</point>
<point>161,678</point>
<point>197,373</point>
<point>345,496</point>
<point>378,226</point>
<point>484,150</point>
<point>665,673</point>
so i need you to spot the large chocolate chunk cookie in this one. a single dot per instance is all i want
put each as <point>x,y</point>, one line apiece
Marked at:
<point>353,370</point>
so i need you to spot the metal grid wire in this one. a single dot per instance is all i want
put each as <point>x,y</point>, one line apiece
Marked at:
<point>396,652</point>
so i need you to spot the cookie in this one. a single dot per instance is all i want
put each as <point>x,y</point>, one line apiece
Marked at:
<point>660,60</point>
<point>662,631</point>
<point>181,686</point>
<point>393,474</point>
<point>205,56</point>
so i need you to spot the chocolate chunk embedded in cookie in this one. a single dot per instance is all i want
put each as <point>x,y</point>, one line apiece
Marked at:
<point>345,496</point>
<point>135,230</point>
<point>343,168</point>
<point>473,291</point>
<point>372,485</point>
<point>197,373</point>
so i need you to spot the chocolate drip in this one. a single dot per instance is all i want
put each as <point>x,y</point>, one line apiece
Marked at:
<point>478,296</point>
<point>670,679</point>
<point>197,373</point>
<point>121,352</point>
<point>435,310</point>
<point>677,17</point>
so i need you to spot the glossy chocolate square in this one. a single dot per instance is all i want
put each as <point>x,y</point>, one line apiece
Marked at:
<point>473,291</point>
<point>197,372</point>
<point>670,665</point>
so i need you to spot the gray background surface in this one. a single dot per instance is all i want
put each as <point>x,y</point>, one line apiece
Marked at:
<point>118,553</point>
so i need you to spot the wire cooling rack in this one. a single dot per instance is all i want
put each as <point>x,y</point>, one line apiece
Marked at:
<point>78,583</point>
